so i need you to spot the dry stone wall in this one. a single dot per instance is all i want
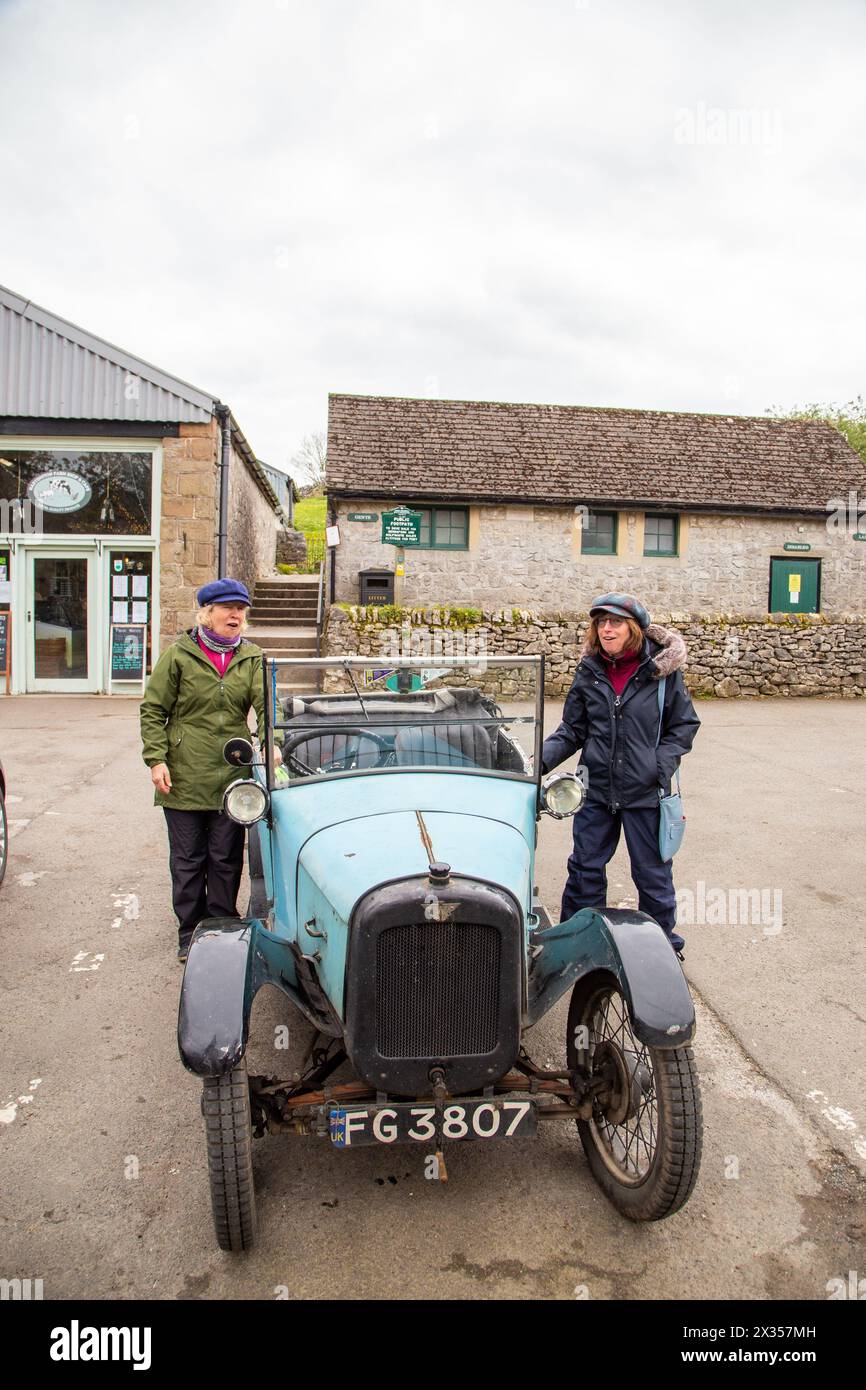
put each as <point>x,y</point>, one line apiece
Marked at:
<point>729,655</point>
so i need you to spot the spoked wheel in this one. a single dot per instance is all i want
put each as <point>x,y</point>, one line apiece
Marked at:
<point>643,1143</point>
<point>228,1129</point>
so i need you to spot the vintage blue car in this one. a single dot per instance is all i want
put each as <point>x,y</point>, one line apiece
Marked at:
<point>392,866</point>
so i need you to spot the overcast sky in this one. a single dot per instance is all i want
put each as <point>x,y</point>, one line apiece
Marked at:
<point>587,202</point>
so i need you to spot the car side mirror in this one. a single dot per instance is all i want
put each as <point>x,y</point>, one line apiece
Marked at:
<point>238,752</point>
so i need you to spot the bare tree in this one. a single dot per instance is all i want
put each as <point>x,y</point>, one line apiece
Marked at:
<point>308,463</point>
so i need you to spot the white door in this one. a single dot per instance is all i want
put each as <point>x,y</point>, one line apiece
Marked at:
<point>61,621</point>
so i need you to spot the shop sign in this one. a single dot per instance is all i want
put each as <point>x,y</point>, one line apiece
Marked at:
<point>363,516</point>
<point>127,646</point>
<point>796,545</point>
<point>59,491</point>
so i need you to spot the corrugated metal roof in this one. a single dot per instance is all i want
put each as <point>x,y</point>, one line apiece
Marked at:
<point>52,369</point>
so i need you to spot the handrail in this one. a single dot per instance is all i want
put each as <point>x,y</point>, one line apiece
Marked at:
<point>320,608</point>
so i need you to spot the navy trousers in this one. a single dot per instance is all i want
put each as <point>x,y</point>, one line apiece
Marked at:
<point>206,856</point>
<point>596,836</point>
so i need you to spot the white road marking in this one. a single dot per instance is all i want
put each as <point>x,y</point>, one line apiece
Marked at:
<point>10,1109</point>
<point>27,880</point>
<point>131,906</point>
<point>840,1119</point>
<point>79,959</point>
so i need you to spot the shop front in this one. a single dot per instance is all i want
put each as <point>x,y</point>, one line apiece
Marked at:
<point>79,538</point>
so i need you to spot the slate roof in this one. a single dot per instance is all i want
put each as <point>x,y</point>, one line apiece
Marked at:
<point>52,369</point>
<point>385,446</point>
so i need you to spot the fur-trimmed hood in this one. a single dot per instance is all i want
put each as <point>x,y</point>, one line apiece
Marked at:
<point>671,656</point>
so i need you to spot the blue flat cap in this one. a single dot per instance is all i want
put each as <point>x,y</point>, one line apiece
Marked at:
<point>223,591</point>
<point>623,606</point>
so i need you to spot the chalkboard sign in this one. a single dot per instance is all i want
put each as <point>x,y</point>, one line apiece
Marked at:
<point>128,648</point>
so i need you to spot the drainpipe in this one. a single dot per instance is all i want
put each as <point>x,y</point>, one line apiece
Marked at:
<point>224,416</point>
<point>332,521</point>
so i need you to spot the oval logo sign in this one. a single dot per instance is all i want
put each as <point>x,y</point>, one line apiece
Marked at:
<point>59,491</point>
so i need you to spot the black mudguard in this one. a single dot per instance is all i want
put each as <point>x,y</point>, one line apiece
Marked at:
<point>220,981</point>
<point>626,944</point>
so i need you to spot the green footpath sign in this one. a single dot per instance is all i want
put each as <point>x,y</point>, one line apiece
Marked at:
<point>401,527</point>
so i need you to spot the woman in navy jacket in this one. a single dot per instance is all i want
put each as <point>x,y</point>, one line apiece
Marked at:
<point>611,714</point>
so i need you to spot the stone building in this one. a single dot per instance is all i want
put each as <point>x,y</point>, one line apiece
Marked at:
<point>542,507</point>
<point>110,485</point>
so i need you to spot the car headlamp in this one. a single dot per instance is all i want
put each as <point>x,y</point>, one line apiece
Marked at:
<point>563,795</point>
<point>245,802</point>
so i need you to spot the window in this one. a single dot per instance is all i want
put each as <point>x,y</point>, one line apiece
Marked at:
<point>599,533</point>
<point>444,528</point>
<point>660,535</point>
<point>102,493</point>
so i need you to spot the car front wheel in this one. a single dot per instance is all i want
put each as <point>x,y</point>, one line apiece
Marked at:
<point>643,1142</point>
<point>229,1135</point>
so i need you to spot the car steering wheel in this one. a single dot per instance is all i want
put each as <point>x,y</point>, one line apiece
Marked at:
<point>334,764</point>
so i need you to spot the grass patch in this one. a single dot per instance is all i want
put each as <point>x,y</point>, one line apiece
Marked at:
<point>310,516</point>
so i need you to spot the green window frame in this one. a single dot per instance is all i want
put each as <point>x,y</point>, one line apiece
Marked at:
<point>599,535</point>
<point>443,528</point>
<point>661,534</point>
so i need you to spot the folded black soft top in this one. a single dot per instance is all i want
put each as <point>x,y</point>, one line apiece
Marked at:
<point>449,702</point>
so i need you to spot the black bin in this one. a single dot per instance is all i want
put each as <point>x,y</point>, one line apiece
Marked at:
<point>376,586</point>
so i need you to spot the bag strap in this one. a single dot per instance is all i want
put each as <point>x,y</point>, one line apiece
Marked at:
<point>662,684</point>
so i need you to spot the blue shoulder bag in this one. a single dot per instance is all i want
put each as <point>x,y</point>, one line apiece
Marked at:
<point>672,822</point>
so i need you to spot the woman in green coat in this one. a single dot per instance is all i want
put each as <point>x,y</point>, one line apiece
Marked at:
<point>199,695</point>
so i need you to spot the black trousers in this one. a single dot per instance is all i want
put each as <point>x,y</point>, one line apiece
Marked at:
<point>206,856</point>
<point>596,835</point>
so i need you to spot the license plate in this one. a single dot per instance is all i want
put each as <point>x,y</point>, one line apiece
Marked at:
<point>406,1123</point>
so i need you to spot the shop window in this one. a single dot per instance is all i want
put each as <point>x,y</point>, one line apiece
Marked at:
<point>599,534</point>
<point>661,535</point>
<point>443,528</point>
<point>99,493</point>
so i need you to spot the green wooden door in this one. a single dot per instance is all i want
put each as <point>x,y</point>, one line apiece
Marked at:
<point>794,586</point>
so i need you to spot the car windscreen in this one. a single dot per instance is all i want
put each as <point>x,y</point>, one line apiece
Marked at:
<point>349,716</point>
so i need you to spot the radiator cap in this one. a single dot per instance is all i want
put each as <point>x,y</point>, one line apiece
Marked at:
<point>439,873</point>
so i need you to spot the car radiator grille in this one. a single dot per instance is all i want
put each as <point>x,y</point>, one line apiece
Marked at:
<point>437,990</point>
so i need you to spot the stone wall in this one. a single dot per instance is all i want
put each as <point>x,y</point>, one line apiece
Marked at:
<point>729,655</point>
<point>531,557</point>
<point>252,526</point>
<point>187,545</point>
<point>190,521</point>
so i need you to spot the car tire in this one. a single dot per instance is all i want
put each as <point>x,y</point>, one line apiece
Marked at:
<point>229,1137</point>
<point>667,1081</point>
<point>4,838</point>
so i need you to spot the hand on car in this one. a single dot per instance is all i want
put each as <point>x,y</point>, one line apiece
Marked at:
<point>161,778</point>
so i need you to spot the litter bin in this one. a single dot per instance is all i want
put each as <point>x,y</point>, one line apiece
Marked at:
<point>376,586</point>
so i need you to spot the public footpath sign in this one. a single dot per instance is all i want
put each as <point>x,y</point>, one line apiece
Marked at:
<point>401,527</point>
